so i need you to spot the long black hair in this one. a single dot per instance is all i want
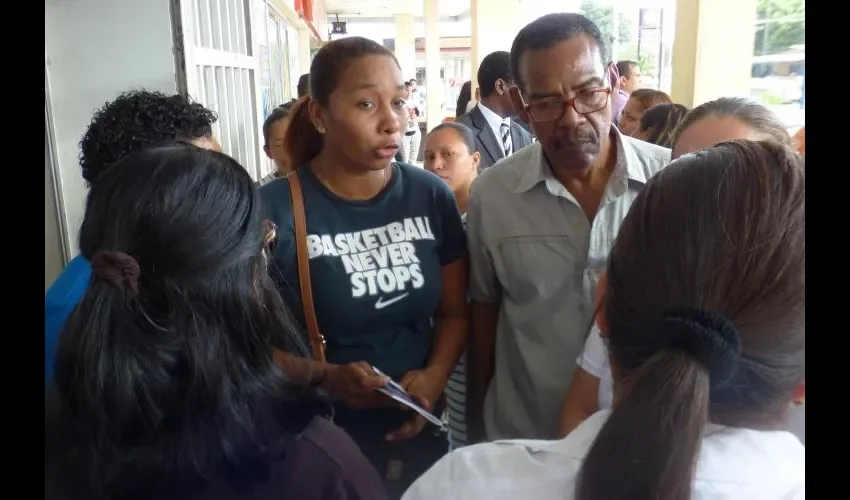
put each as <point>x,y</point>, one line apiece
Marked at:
<point>165,376</point>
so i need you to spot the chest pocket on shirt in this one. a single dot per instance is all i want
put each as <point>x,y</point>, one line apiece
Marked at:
<point>529,267</point>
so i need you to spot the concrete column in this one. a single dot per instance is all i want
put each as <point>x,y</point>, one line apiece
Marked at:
<point>405,45</point>
<point>494,24</point>
<point>713,53</point>
<point>474,45</point>
<point>433,82</point>
<point>303,50</point>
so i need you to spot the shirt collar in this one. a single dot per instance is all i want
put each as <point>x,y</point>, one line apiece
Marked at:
<point>626,169</point>
<point>495,121</point>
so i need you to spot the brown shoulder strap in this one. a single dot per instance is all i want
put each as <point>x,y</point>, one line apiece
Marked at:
<point>317,341</point>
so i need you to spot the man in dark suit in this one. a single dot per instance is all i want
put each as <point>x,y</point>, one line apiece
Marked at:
<point>497,134</point>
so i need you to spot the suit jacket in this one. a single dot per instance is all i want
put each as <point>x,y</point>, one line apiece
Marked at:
<point>486,141</point>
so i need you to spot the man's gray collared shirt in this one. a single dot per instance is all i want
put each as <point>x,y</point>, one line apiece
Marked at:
<point>533,250</point>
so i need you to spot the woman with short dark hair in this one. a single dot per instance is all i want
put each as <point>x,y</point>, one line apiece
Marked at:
<point>639,102</point>
<point>274,130</point>
<point>658,124</point>
<point>450,154</point>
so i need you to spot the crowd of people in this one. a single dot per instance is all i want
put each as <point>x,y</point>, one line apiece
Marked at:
<point>569,283</point>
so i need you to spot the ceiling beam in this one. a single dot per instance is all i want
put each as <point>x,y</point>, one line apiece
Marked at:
<point>354,18</point>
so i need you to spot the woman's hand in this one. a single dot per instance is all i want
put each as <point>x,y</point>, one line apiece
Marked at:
<point>425,387</point>
<point>356,384</point>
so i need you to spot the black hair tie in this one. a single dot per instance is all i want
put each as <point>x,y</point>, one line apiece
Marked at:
<point>708,336</point>
<point>117,268</point>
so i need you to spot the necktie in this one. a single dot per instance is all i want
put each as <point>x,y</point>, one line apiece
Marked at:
<point>505,130</point>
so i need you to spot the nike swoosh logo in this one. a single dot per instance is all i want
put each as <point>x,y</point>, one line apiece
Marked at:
<point>381,303</point>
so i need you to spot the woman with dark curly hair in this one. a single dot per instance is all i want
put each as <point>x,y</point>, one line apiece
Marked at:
<point>134,121</point>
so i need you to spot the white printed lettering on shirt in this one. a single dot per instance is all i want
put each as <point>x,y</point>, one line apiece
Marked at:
<point>380,261</point>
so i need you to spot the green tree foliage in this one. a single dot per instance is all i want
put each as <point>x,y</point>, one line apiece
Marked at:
<point>603,16</point>
<point>780,24</point>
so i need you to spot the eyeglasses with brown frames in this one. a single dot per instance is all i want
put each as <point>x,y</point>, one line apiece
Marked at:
<point>585,102</point>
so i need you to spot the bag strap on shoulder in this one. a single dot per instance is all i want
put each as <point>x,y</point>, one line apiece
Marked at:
<point>317,340</point>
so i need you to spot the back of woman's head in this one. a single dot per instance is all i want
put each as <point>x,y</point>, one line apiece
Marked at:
<point>303,142</point>
<point>650,97</point>
<point>705,315</point>
<point>164,375</point>
<point>763,122</point>
<point>659,122</point>
<point>463,98</point>
<point>799,141</point>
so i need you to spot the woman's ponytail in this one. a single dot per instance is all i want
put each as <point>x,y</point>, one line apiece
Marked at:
<point>301,142</point>
<point>648,447</point>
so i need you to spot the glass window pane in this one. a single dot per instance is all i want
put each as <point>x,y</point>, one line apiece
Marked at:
<point>779,60</point>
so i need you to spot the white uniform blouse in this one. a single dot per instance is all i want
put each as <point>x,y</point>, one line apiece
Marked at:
<point>734,464</point>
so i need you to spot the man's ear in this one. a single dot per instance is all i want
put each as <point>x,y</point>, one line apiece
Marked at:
<point>500,86</point>
<point>476,160</point>
<point>519,105</point>
<point>267,151</point>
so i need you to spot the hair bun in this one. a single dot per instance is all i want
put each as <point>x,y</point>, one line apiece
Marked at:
<point>117,268</point>
<point>708,336</point>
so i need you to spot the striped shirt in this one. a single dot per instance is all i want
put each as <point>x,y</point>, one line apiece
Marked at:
<point>456,398</point>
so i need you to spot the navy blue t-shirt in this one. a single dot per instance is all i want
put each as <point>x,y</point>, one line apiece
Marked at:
<point>375,265</point>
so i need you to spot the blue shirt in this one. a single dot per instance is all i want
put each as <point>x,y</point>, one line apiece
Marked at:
<point>61,298</point>
<point>375,265</point>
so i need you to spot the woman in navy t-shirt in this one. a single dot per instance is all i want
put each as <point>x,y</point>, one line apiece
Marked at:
<point>386,252</point>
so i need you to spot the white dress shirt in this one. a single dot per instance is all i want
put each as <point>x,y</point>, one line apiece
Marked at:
<point>733,464</point>
<point>494,121</point>
<point>594,360</point>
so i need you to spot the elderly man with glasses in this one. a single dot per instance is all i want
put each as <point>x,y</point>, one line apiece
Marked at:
<point>541,223</point>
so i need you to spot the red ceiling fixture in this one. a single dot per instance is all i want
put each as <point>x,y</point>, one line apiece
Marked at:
<point>304,8</point>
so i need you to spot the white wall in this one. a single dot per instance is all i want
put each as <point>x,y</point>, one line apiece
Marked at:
<point>94,50</point>
<point>54,260</point>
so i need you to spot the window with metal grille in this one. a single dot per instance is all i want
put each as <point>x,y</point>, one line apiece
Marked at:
<point>219,48</point>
